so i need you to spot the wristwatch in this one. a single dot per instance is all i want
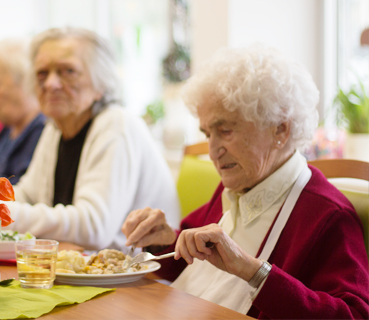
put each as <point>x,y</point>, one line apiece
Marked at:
<point>260,275</point>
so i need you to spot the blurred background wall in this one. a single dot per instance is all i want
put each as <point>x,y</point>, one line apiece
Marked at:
<point>158,44</point>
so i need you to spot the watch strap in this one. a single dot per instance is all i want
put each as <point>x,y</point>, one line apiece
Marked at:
<point>260,275</point>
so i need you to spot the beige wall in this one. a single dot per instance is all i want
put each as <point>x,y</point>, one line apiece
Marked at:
<point>209,28</point>
<point>293,26</point>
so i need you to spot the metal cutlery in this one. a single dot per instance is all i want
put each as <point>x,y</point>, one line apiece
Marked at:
<point>129,254</point>
<point>147,256</point>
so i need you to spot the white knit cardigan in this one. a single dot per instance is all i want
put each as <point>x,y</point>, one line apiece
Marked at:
<point>120,170</point>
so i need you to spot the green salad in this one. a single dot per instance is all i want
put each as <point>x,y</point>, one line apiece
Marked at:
<point>9,235</point>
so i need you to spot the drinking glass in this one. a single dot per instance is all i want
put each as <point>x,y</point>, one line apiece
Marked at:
<point>36,262</point>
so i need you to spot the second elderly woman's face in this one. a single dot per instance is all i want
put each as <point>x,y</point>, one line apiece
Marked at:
<point>64,85</point>
<point>13,99</point>
<point>242,154</point>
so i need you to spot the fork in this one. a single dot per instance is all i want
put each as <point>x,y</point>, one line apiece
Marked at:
<point>147,256</point>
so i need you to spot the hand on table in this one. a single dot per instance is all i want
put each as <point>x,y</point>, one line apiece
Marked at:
<point>148,227</point>
<point>224,254</point>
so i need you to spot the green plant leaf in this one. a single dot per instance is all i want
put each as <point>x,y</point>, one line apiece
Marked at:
<point>154,111</point>
<point>354,105</point>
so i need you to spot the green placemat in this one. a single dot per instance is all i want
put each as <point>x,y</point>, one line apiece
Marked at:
<point>16,302</point>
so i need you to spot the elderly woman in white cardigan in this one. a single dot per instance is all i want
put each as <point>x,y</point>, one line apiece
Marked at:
<point>95,162</point>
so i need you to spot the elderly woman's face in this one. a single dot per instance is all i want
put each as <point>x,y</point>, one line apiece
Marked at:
<point>13,99</point>
<point>242,154</point>
<point>64,85</point>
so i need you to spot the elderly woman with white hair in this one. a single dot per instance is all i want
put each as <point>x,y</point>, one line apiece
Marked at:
<point>95,162</point>
<point>276,240</point>
<point>19,110</point>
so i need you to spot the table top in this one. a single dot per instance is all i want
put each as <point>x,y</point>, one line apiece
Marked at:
<point>143,299</point>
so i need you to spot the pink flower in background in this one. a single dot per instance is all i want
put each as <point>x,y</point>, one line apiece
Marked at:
<point>326,144</point>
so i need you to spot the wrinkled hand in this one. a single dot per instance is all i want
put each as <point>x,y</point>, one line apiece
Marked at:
<point>223,252</point>
<point>148,227</point>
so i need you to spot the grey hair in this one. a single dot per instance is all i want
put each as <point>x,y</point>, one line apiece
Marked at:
<point>100,61</point>
<point>267,88</point>
<point>14,57</point>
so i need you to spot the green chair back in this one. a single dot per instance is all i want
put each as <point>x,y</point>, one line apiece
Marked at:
<point>196,183</point>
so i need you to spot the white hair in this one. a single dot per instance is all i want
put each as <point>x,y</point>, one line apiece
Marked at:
<point>100,60</point>
<point>266,87</point>
<point>14,57</point>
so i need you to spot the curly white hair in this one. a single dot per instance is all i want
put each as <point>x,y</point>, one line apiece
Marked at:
<point>267,88</point>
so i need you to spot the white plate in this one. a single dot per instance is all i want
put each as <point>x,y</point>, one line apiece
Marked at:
<point>7,249</point>
<point>105,279</point>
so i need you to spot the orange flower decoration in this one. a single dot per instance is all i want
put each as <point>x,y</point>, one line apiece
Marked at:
<point>6,194</point>
<point>6,190</point>
<point>5,215</point>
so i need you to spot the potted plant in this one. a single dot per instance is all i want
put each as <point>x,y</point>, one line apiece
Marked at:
<point>154,117</point>
<point>354,114</point>
<point>154,112</point>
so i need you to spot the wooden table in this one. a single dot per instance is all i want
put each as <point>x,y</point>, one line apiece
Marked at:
<point>143,299</point>
<point>69,246</point>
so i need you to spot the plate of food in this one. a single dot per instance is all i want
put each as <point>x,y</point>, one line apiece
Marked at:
<point>7,243</point>
<point>104,268</point>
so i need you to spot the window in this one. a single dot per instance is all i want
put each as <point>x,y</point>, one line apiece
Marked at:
<point>353,56</point>
<point>346,62</point>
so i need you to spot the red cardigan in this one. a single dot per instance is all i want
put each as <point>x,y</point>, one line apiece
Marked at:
<point>320,266</point>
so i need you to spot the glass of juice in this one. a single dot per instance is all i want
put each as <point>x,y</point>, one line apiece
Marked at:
<point>36,262</point>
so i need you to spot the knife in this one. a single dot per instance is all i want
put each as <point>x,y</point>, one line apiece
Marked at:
<point>129,254</point>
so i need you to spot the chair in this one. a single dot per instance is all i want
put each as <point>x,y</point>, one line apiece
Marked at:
<point>197,149</point>
<point>356,188</point>
<point>197,179</point>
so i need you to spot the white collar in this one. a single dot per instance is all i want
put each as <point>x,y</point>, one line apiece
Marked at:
<point>259,199</point>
